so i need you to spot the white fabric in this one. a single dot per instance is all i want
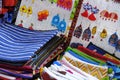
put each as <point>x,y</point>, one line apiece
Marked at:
<point>76,59</point>
<point>89,77</point>
<point>8,77</point>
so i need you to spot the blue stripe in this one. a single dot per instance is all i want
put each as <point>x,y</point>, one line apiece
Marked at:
<point>19,44</point>
<point>82,58</point>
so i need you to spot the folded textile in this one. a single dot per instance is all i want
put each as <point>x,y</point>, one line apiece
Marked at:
<point>88,76</point>
<point>114,70</point>
<point>19,44</point>
<point>48,50</point>
<point>86,56</point>
<point>97,55</point>
<point>95,70</point>
<point>82,58</point>
<point>19,68</point>
<point>6,77</point>
<point>26,76</point>
<point>63,69</point>
<point>101,51</point>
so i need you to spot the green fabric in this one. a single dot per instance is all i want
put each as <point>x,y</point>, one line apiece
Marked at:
<point>106,78</point>
<point>110,70</point>
<point>114,79</point>
<point>86,56</point>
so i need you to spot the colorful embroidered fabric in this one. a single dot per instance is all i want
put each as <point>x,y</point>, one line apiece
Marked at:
<point>65,71</point>
<point>97,55</point>
<point>82,58</point>
<point>41,15</point>
<point>86,56</point>
<point>95,70</point>
<point>88,76</point>
<point>99,50</point>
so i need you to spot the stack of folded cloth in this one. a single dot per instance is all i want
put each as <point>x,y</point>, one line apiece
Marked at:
<point>82,64</point>
<point>19,46</point>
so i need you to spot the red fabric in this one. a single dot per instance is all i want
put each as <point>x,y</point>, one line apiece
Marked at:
<point>31,28</point>
<point>96,55</point>
<point>9,3</point>
<point>20,25</point>
<point>46,76</point>
<point>2,78</point>
<point>118,1</point>
<point>3,10</point>
<point>18,68</point>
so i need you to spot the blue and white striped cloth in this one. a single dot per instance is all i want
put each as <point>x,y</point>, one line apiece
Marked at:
<point>19,44</point>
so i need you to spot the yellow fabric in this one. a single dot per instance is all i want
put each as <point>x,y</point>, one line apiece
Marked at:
<point>98,72</point>
<point>111,57</point>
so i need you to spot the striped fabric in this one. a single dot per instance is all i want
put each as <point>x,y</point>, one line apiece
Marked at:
<point>93,69</point>
<point>0,6</point>
<point>99,72</point>
<point>0,3</point>
<point>19,44</point>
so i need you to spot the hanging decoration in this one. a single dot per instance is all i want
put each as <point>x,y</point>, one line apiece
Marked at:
<point>105,15</point>
<point>94,29</point>
<point>66,4</point>
<point>86,34</point>
<point>78,31</point>
<point>42,15</point>
<point>86,7</point>
<point>113,39</point>
<point>103,34</point>
<point>94,11</point>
